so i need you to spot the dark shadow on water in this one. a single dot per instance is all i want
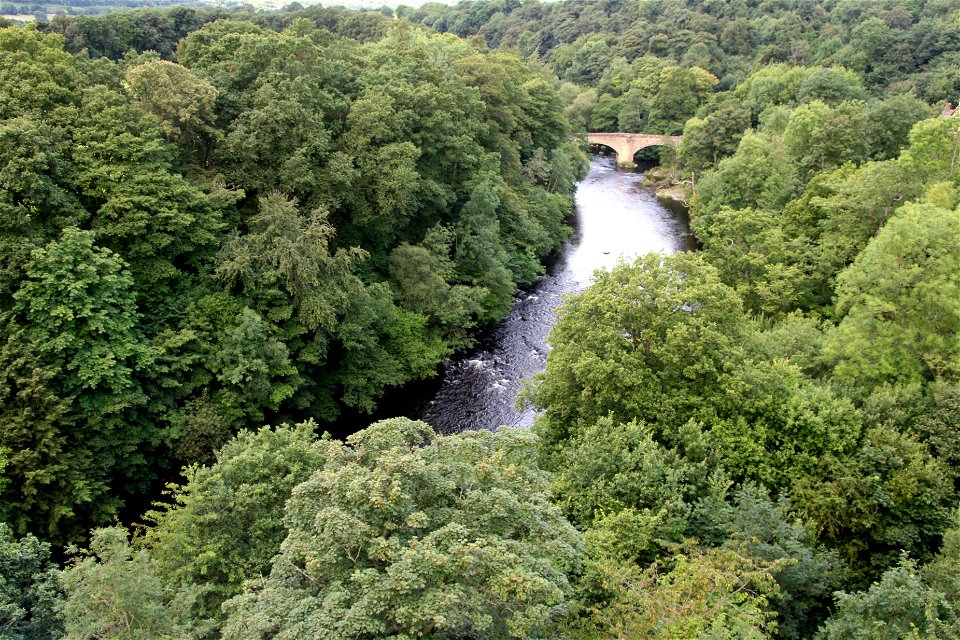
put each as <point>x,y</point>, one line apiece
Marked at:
<point>682,214</point>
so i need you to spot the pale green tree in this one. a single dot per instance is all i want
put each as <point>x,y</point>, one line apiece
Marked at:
<point>113,593</point>
<point>753,255</point>
<point>182,101</point>
<point>407,534</point>
<point>900,302</point>
<point>721,594</point>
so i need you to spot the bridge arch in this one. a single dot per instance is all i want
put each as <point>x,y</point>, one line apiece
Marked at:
<point>606,148</point>
<point>625,145</point>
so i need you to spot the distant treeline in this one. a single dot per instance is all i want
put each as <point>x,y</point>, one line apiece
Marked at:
<point>598,45</point>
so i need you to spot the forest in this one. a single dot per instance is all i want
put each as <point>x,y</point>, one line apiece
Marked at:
<point>221,232</point>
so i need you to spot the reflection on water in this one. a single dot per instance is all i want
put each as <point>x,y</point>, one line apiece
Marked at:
<point>615,219</point>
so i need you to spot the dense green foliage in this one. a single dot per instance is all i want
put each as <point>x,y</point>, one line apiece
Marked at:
<point>194,248</point>
<point>225,523</point>
<point>632,64</point>
<point>808,352</point>
<point>213,221</point>
<point>397,532</point>
<point>452,539</point>
<point>662,391</point>
<point>29,591</point>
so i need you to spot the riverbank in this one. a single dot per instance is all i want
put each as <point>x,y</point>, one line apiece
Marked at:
<point>666,186</point>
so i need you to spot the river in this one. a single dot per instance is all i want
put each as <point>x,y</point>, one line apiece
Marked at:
<point>615,219</point>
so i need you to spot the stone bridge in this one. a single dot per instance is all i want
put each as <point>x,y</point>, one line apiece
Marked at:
<point>627,144</point>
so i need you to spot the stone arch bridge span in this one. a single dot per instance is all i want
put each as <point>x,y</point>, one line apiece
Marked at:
<point>627,144</point>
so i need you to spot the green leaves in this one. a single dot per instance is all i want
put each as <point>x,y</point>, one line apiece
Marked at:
<point>821,137</point>
<point>36,75</point>
<point>898,606</point>
<point>287,251</point>
<point>224,524</point>
<point>901,297</point>
<point>397,537</point>
<point>718,593</point>
<point>75,315</point>
<point>749,249</point>
<point>182,102</point>
<point>79,313</point>
<point>29,593</point>
<point>115,594</point>
<point>645,342</point>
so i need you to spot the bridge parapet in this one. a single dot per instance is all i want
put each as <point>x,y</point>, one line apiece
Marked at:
<point>627,144</point>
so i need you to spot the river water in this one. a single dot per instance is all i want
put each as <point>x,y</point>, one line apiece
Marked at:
<point>615,219</point>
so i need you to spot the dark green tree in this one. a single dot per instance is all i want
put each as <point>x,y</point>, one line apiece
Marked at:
<point>74,351</point>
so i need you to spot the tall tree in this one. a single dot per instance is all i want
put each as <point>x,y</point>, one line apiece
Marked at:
<point>647,341</point>
<point>454,538</point>
<point>900,303</point>
<point>73,340</point>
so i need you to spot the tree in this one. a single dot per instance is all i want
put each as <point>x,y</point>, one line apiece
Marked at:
<point>714,593</point>
<point>73,340</point>
<point>769,532</point>
<point>183,102</point>
<point>835,218</point>
<point>898,607</point>
<point>943,572</point>
<point>422,274</point>
<point>678,95</point>
<point>752,254</point>
<point>872,504</point>
<point>380,345</point>
<point>455,538</point>
<point>631,493</point>
<point>164,225</point>
<point>776,84</point>
<point>820,137</point>
<point>480,255</point>
<point>890,122</point>
<point>707,140</point>
<point>832,86</point>
<point>29,593</point>
<point>34,200</point>
<point>588,61</point>
<point>113,593</point>
<point>604,115</point>
<point>36,75</point>
<point>648,341</point>
<point>663,97</point>
<point>285,268</point>
<point>776,428</point>
<point>929,412</point>
<point>934,152</point>
<point>760,174</point>
<point>899,301</point>
<point>224,524</point>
